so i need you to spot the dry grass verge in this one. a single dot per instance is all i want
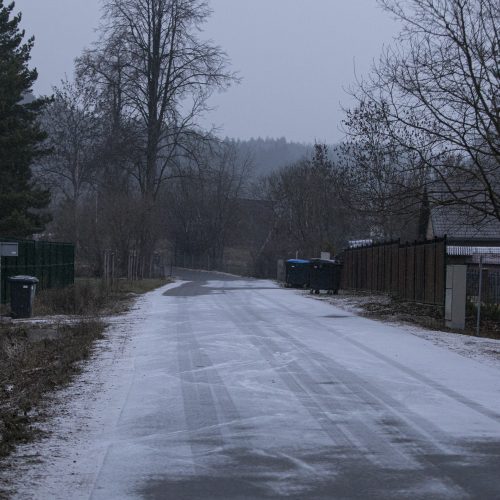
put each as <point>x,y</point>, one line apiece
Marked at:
<point>91,297</point>
<point>431,317</point>
<point>32,362</point>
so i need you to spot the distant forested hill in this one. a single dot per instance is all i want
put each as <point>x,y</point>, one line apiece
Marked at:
<point>269,155</point>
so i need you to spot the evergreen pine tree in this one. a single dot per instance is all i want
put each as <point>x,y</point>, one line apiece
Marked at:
<point>20,135</point>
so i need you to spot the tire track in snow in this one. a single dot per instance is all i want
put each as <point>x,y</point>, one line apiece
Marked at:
<point>314,397</point>
<point>351,436</point>
<point>208,405</point>
<point>420,428</point>
<point>422,379</point>
<point>403,422</point>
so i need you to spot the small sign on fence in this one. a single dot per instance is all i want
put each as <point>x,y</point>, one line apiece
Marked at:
<point>8,249</point>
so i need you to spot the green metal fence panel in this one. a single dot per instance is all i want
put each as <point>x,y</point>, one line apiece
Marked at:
<point>52,263</point>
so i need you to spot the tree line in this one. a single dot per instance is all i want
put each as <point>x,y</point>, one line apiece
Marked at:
<point>116,157</point>
<point>424,131</point>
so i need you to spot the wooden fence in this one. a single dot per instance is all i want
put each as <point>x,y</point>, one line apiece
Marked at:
<point>411,271</point>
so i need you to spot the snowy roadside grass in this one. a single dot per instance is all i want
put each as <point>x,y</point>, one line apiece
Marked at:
<point>419,320</point>
<point>43,354</point>
<point>34,361</point>
<point>85,399</point>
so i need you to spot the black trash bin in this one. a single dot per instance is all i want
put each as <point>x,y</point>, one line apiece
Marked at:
<point>325,275</point>
<point>297,272</point>
<point>22,295</point>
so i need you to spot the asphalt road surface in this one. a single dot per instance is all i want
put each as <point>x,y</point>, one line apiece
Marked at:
<point>237,389</point>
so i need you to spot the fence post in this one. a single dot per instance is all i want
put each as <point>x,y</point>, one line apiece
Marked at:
<point>405,279</point>
<point>415,271</point>
<point>424,272</point>
<point>479,296</point>
<point>435,269</point>
<point>456,284</point>
<point>0,281</point>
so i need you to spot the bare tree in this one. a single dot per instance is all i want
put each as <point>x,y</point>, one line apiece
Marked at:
<point>160,75</point>
<point>311,215</point>
<point>73,132</point>
<point>439,86</point>
<point>379,179</point>
<point>103,69</point>
<point>204,202</point>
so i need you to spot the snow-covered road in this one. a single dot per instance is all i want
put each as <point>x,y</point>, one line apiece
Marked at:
<point>229,388</point>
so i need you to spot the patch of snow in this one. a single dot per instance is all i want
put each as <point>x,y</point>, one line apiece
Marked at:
<point>78,435</point>
<point>481,349</point>
<point>241,374</point>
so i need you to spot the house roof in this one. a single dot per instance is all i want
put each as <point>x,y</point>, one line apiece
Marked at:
<point>463,223</point>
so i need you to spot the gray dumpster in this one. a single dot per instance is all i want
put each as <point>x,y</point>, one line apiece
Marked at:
<point>325,275</point>
<point>22,295</point>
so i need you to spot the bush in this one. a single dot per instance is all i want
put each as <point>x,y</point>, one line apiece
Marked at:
<point>90,297</point>
<point>84,298</point>
<point>489,312</point>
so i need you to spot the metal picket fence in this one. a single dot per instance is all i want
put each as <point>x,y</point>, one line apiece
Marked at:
<point>52,263</point>
<point>490,293</point>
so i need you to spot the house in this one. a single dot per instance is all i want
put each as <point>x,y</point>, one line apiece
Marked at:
<point>468,233</point>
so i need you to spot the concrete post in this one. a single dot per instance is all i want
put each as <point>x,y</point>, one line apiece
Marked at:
<point>456,291</point>
<point>280,275</point>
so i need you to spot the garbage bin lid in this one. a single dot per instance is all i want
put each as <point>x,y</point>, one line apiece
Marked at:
<point>23,279</point>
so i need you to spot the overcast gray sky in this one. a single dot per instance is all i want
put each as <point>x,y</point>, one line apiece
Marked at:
<point>295,58</point>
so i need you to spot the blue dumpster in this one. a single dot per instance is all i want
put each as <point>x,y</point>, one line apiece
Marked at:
<point>297,273</point>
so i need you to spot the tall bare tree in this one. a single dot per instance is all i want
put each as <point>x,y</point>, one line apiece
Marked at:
<point>439,85</point>
<point>160,75</point>
<point>74,132</point>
